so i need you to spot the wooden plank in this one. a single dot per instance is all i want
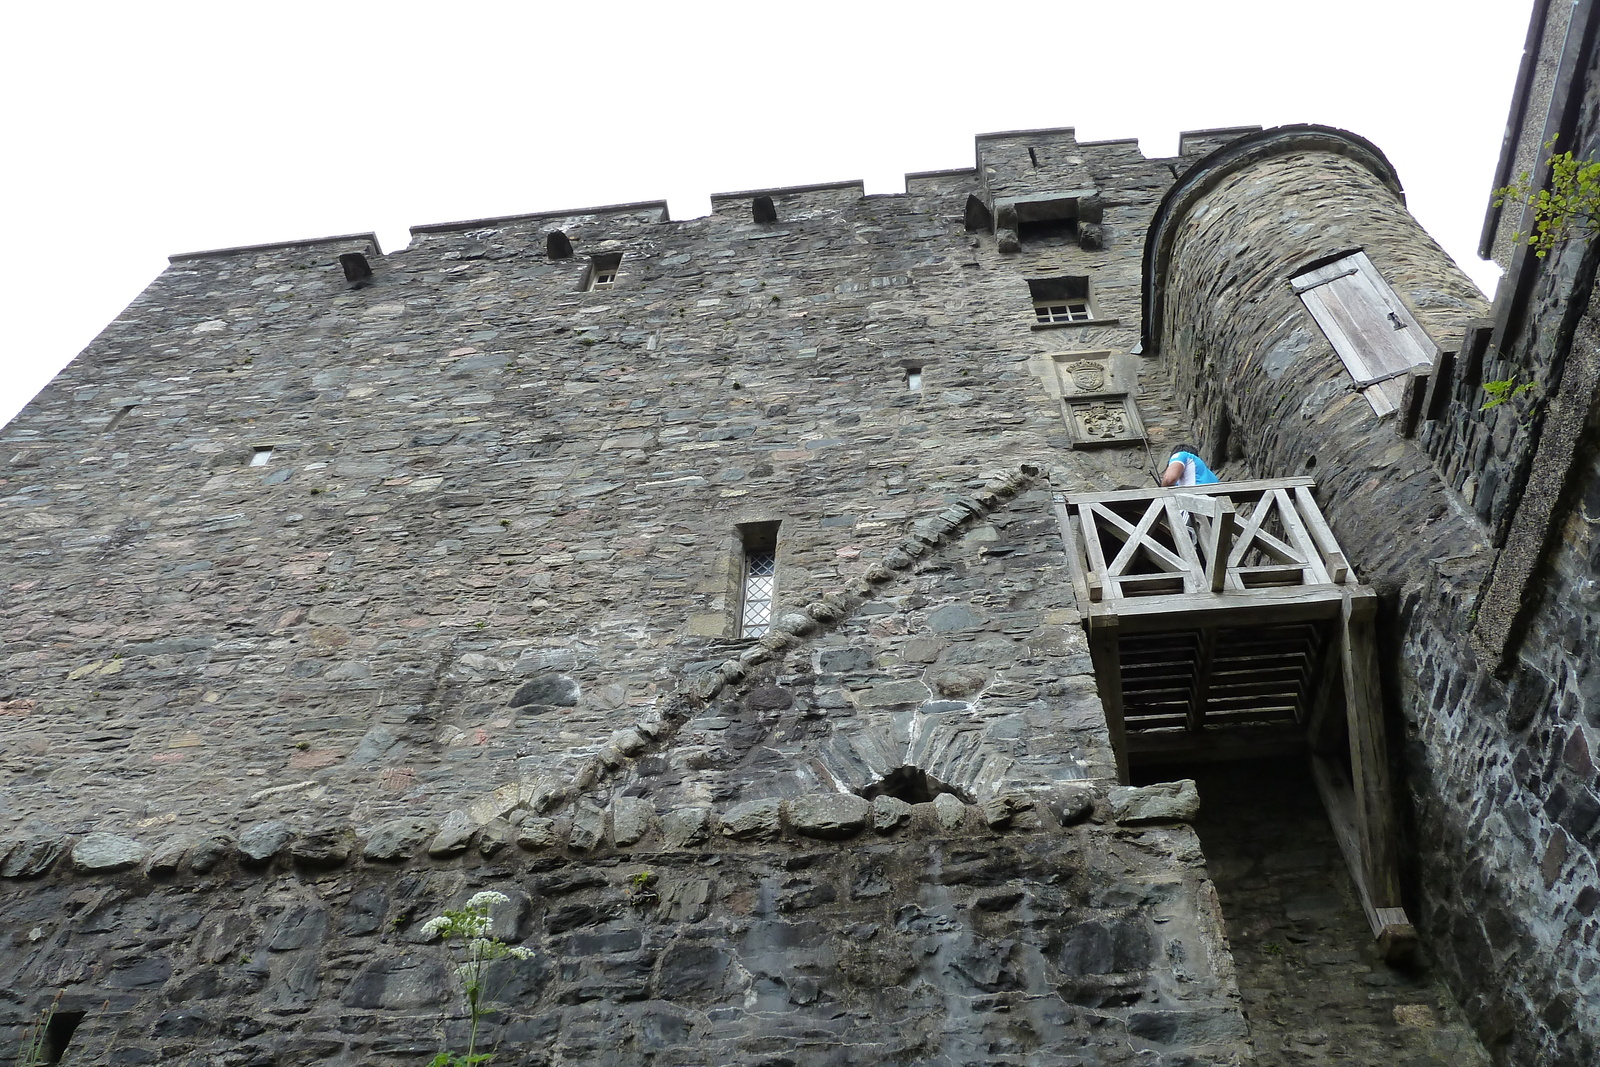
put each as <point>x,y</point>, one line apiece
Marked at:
<point>1219,545</point>
<point>1108,672</point>
<point>1391,928</point>
<point>1338,800</point>
<point>1193,610</point>
<point>1202,679</point>
<point>1384,397</point>
<point>1180,537</point>
<point>1199,505</point>
<point>1097,560</point>
<point>1263,577</point>
<point>1412,396</point>
<point>1274,741</point>
<point>1236,490</point>
<point>1321,535</point>
<point>1295,527</point>
<point>1140,538</point>
<point>1069,540</point>
<point>1121,528</point>
<point>1369,756</point>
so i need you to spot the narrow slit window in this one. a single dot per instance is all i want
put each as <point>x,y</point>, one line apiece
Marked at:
<point>603,271</point>
<point>759,579</point>
<point>1057,300</point>
<point>262,456</point>
<point>914,379</point>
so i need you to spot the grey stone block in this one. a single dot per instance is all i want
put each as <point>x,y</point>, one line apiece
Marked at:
<point>204,857</point>
<point>685,827</point>
<point>536,834</point>
<point>396,839</point>
<point>103,853</point>
<point>830,815</point>
<point>32,854</point>
<point>753,819</point>
<point>261,841</point>
<point>888,813</point>
<point>167,857</point>
<point>630,819</point>
<point>323,846</point>
<point>588,827</point>
<point>949,811</point>
<point>454,835</point>
<point>1163,802</point>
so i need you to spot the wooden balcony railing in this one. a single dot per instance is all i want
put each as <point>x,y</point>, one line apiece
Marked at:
<point>1225,623</point>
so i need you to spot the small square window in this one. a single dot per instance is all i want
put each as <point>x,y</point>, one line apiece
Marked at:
<point>603,271</point>
<point>914,379</point>
<point>1069,311</point>
<point>263,455</point>
<point>1059,300</point>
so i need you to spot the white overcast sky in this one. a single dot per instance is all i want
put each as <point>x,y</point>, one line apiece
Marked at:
<point>133,130</point>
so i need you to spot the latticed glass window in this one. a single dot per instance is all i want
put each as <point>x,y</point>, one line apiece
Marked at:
<point>1071,311</point>
<point>758,571</point>
<point>1064,299</point>
<point>760,578</point>
<point>603,271</point>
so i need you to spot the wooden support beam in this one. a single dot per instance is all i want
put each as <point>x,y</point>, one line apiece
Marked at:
<point>1325,719</point>
<point>1205,654</point>
<point>1215,746</point>
<point>1280,604</point>
<point>1391,928</point>
<point>1224,525</point>
<point>1376,826</point>
<point>1237,490</point>
<point>1103,651</point>
<point>1071,541</point>
<point>1090,530</point>
<point>1322,535</point>
<point>1179,528</point>
<point>1295,527</point>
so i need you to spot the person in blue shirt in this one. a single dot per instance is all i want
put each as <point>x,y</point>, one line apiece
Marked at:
<point>1186,468</point>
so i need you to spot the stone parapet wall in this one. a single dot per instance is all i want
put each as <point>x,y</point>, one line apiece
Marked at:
<point>942,941</point>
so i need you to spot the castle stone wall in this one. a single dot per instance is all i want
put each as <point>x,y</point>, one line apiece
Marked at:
<point>475,612</point>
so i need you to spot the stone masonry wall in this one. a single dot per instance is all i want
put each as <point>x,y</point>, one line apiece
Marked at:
<point>787,934</point>
<point>1501,904</point>
<point>307,580</point>
<point>483,479</point>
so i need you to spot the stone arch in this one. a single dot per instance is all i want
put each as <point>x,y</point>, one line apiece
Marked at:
<point>945,749</point>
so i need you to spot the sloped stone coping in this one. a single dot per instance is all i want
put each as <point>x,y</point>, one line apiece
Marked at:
<point>630,823</point>
<point>789,631</point>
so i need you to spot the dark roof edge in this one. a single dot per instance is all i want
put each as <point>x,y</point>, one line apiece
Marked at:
<point>506,220</point>
<point>1210,171</point>
<point>820,187</point>
<point>1073,130</point>
<point>271,246</point>
<point>956,172</point>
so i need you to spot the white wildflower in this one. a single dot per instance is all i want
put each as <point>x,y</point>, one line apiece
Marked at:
<point>518,952</point>
<point>436,926</point>
<point>487,899</point>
